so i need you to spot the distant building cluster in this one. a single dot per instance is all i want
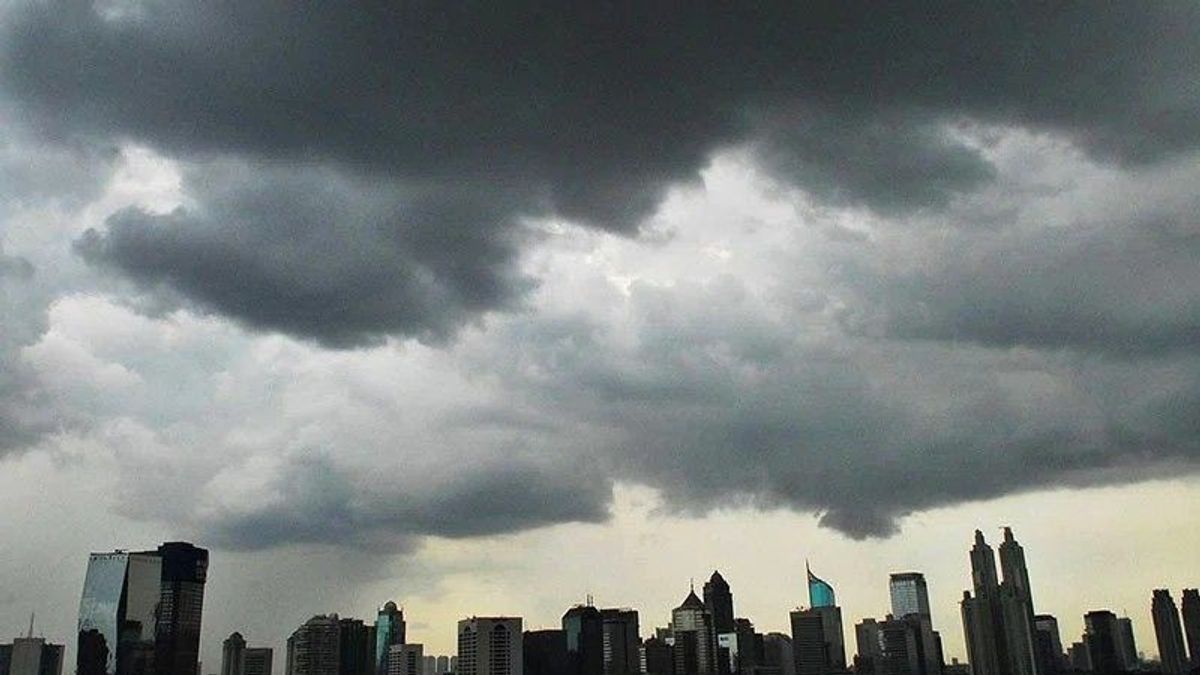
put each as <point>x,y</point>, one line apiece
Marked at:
<point>140,614</point>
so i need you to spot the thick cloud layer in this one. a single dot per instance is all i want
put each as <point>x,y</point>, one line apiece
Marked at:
<point>940,254</point>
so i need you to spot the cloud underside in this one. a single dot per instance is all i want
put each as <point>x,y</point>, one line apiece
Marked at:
<point>354,175</point>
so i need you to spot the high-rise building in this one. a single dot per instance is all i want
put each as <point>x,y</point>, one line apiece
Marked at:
<point>868,647</point>
<point>810,647</point>
<point>820,593</point>
<point>1169,632</point>
<point>1078,658</point>
<point>1047,644</point>
<point>901,649</point>
<point>355,647</point>
<point>998,619</point>
<point>910,597</point>
<point>621,640</point>
<point>748,648</point>
<point>406,659</point>
<point>258,661</point>
<point>695,648</point>
<point>658,657</point>
<point>233,655</point>
<point>777,653</point>
<point>181,605</point>
<point>31,656</point>
<point>545,652</point>
<point>313,649</point>
<point>719,601</point>
<point>117,614</point>
<point>1127,656</point>
<point>1191,624</point>
<point>489,646</point>
<point>443,665</point>
<point>584,629</point>
<point>1100,636</point>
<point>389,630</point>
<point>429,666</point>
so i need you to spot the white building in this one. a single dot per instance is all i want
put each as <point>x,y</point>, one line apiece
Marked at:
<point>489,646</point>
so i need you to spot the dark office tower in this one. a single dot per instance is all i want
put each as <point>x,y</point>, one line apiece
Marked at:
<point>748,647</point>
<point>867,643</point>
<point>695,641</point>
<point>1127,656</point>
<point>31,655</point>
<point>117,614</point>
<point>233,655</point>
<point>901,651</point>
<point>719,601</point>
<point>1191,624</point>
<point>998,620</point>
<point>1047,644</point>
<point>621,640</point>
<point>584,628</point>
<point>258,661</point>
<point>810,650</point>
<point>354,648</point>
<point>389,630</point>
<point>777,653</point>
<point>658,657</point>
<point>313,647</point>
<point>177,640</point>
<point>1168,632</point>
<point>1012,564</point>
<point>1078,657</point>
<point>545,652</point>
<point>1100,636</point>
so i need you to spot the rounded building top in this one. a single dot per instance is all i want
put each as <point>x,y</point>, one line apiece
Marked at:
<point>388,606</point>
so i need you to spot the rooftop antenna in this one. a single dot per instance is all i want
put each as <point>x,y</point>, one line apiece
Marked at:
<point>31,615</point>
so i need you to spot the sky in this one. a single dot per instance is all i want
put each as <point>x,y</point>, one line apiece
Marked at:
<point>487,307</point>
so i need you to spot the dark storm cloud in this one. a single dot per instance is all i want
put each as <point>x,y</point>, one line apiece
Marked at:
<point>314,255</point>
<point>588,113</point>
<point>320,501</point>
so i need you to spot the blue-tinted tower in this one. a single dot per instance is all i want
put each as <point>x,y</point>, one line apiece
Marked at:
<point>820,593</point>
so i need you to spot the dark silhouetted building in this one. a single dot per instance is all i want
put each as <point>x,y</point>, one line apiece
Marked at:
<point>621,640</point>
<point>258,661</point>
<point>233,655</point>
<point>1191,624</point>
<point>1168,632</point>
<point>545,652</point>
<point>777,653</point>
<point>31,656</point>
<point>1047,644</point>
<point>817,643</point>
<point>180,609</point>
<point>584,629</point>
<point>695,648</point>
<point>1127,656</point>
<point>1078,658</point>
<point>658,657</point>
<point>910,598</point>
<point>313,649</point>
<point>719,601</point>
<point>867,645</point>
<point>998,619</point>
<point>1100,636</point>
<point>489,645</point>
<point>355,648</point>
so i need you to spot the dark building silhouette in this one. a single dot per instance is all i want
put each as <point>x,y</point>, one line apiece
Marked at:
<point>695,649</point>
<point>658,656</point>
<point>748,648</point>
<point>1191,624</point>
<point>177,639</point>
<point>777,653</point>
<point>584,629</point>
<point>621,641</point>
<point>545,652</point>
<point>998,619</point>
<point>258,661</point>
<point>901,647</point>
<point>910,598</point>
<point>1127,656</point>
<point>810,649</point>
<point>1047,644</point>
<point>31,655</point>
<point>233,655</point>
<point>1168,632</point>
<point>867,647</point>
<point>719,601</point>
<point>1100,636</point>
<point>355,648</point>
<point>1078,658</point>
<point>313,649</point>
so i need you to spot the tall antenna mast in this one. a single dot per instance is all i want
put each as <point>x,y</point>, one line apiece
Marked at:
<point>31,615</point>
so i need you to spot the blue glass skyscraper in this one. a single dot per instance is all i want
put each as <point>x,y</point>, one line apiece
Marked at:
<point>820,593</point>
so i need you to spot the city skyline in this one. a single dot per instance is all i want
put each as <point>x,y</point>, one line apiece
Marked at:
<point>489,307</point>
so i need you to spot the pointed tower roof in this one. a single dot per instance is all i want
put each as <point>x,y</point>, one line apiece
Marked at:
<point>717,580</point>
<point>691,601</point>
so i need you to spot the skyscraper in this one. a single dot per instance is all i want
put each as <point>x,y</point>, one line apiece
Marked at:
<point>823,602</point>
<point>233,655</point>
<point>584,629</point>
<point>910,597</point>
<point>406,659</point>
<point>489,646</point>
<point>1168,632</point>
<point>1047,644</point>
<point>258,661</point>
<point>820,593</point>
<point>313,649</point>
<point>868,649</point>
<point>181,605</point>
<point>695,648</point>
<point>777,653</point>
<point>389,630</point>
<point>117,614</point>
<point>810,646</point>
<point>998,619</point>
<point>31,655</point>
<point>1127,656</point>
<point>355,647</point>
<point>719,601</point>
<point>545,652</point>
<point>1191,624</point>
<point>1100,636</point>
<point>621,640</point>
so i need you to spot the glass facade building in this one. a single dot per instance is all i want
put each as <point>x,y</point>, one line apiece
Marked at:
<point>118,613</point>
<point>820,593</point>
<point>909,594</point>
<point>389,630</point>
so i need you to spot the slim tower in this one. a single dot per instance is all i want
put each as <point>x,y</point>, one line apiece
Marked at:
<point>1168,632</point>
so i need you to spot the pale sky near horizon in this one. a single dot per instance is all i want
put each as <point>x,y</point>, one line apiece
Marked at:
<point>486,308</point>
